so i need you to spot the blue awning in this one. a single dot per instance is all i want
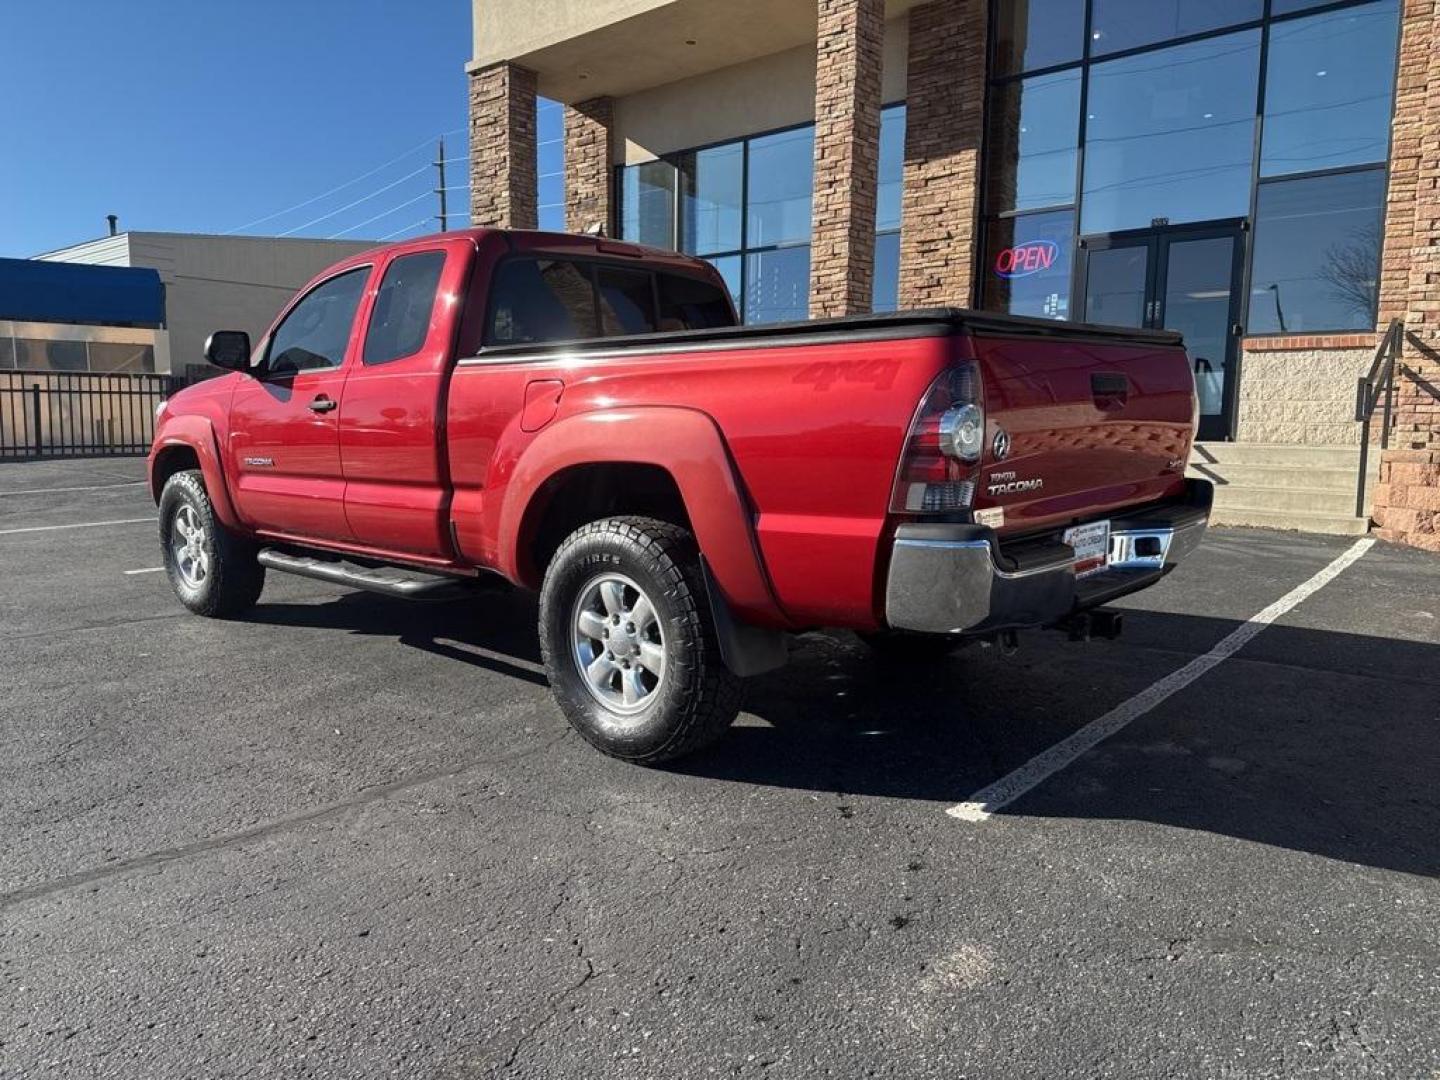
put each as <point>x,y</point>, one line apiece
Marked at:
<point>36,291</point>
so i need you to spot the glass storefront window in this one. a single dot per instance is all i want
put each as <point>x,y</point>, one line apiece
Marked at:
<point>712,183</point>
<point>892,168</point>
<point>1170,134</point>
<point>1286,7</point>
<point>1027,264</point>
<point>1033,34</point>
<point>740,200</point>
<point>1034,132</point>
<point>1329,84</point>
<point>777,285</point>
<point>1129,24</point>
<point>886,293</point>
<point>729,267</point>
<point>780,182</point>
<point>106,356</point>
<point>1317,253</point>
<point>32,354</point>
<point>648,204</point>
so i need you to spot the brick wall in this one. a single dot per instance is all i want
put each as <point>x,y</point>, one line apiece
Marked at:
<point>589,151</point>
<point>849,56</point>
<point>1407,500</point>
<point>945,96</point>
<point>502,147</point>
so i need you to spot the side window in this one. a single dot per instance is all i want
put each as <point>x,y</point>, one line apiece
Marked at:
<point>540,300</point>
<point>400,319</point>
<point>688,303</point>
<point>316,331</point>
<point>627,301</point>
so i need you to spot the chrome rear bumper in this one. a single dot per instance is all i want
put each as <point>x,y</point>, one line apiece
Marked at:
<point>958,579</point>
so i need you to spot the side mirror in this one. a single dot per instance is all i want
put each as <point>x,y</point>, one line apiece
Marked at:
<point>228,349</point>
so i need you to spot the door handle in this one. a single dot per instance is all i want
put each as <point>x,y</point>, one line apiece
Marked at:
<point>1109,389</point>
<point>323,404</point>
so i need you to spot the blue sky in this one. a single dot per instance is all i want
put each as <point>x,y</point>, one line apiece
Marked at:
<point>205,115</point>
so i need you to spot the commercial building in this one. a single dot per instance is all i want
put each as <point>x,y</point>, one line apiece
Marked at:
<point>93,319</point>
<point>1260,174</point>
<point>91,335</point>
<point>212,282</point>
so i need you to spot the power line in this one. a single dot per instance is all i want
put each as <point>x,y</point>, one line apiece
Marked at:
<point>339,187</point>
<point>382,214</point>
<point>405,228</point>
<point>357,202</point>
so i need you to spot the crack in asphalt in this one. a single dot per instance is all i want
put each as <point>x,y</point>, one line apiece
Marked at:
<point>181,852</point>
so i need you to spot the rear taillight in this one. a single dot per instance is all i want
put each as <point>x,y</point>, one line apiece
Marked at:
<point>945,443</point>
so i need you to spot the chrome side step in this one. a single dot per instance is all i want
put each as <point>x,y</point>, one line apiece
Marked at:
<point>400,582</point>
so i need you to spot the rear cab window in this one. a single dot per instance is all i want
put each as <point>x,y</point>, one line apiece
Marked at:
<point>692,303</point>
<point>535,299</point>
<point>400,318</point>
<point>627,301</point>
<point>540,300</point>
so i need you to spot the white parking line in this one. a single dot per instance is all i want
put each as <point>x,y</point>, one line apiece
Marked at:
<point>991,798</point>
<point>58,491</point>
<point>78,525</point>
<point>146,570</point>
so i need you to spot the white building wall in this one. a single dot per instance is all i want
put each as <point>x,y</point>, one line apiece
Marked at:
<point>215,282</point>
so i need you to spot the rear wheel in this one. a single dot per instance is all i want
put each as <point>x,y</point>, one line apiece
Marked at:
<point>629,644</point>
<point>213,571</point>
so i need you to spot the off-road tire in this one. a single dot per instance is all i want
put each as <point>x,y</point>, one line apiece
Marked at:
<point>233,578</point>
<point>698,697</point>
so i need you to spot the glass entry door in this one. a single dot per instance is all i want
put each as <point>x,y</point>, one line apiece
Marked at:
<point>1183,278</point>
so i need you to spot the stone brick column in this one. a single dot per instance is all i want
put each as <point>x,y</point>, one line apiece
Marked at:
<point>502,147</point>
<point>589,152</point>
<point>849,57</point>
<point>1407,499</point>
<point>944,125</point>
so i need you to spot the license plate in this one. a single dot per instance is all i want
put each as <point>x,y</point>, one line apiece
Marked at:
<point>1092,546</point>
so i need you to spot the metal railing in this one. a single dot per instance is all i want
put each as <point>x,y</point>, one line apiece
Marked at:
<point>1369,391</point>
<point>46,414</point>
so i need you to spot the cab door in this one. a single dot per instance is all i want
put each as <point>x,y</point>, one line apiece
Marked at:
<point>397,485</point>
<point>284,424</point>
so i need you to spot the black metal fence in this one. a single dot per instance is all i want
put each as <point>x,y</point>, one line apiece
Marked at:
<point>78,414</point>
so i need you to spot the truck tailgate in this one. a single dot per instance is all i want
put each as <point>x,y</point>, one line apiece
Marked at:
<point>1079,426</point>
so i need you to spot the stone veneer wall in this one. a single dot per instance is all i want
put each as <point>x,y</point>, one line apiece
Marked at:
<point>944,125</point>
<point>502,147</point>
<point>589,150</point>
<point>1407,499</point>
<point>849,54</point>
<point>1302,390</point>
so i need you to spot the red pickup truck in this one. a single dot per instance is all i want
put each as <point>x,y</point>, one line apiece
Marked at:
<point>584,417</point>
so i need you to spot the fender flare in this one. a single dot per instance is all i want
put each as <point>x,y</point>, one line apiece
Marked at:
<point>197,433</point>
<point>687,444</point>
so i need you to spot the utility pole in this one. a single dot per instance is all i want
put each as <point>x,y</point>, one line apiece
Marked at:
<point>440,164</point>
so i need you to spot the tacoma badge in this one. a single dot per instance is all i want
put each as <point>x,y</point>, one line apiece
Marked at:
<point>1005,483</point>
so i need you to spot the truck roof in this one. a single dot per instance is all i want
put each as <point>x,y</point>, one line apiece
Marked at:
<point>544,241</point>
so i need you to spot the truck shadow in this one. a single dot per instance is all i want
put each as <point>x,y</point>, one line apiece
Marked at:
<point>1310,740</point>
<point>495,631</point>
<point>1314,741</point>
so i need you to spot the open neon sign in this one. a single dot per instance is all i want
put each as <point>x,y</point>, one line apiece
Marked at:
<point>1025,259</point>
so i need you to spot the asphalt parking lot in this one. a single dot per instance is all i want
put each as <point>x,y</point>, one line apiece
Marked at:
<point>351,837</point>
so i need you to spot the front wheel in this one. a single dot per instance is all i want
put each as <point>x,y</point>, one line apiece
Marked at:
<point>212,570</point>
<point>629,644</point>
